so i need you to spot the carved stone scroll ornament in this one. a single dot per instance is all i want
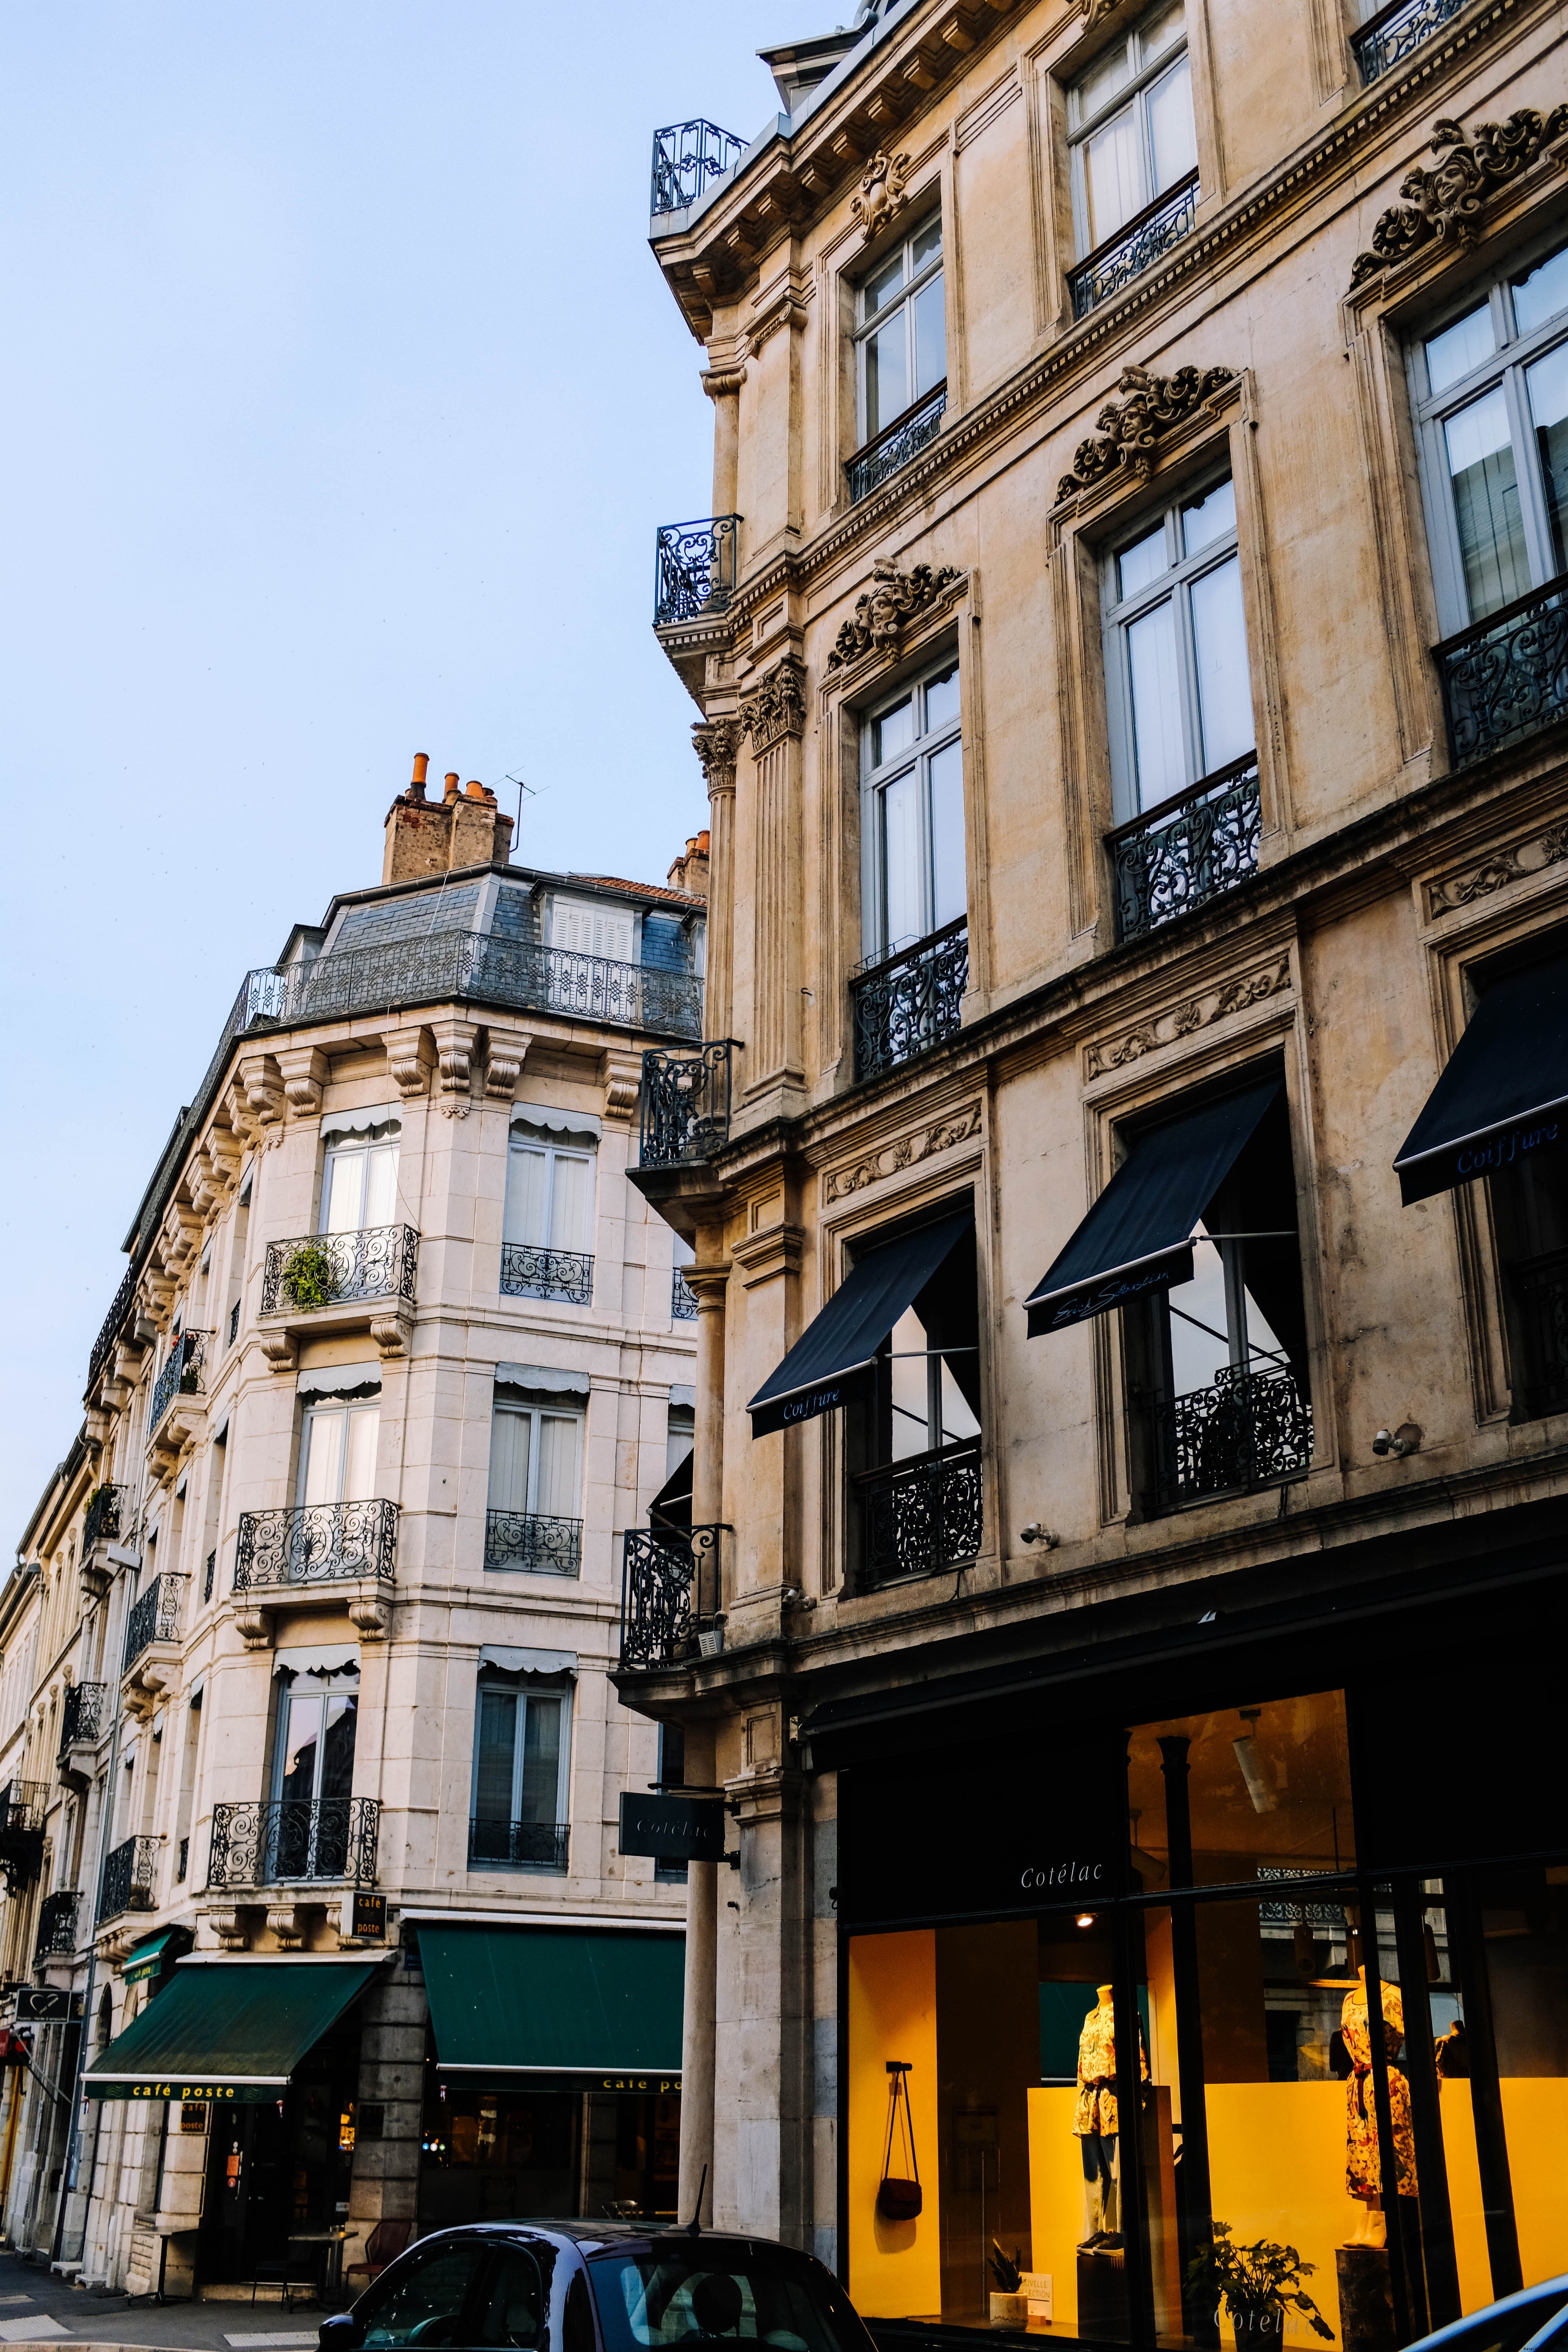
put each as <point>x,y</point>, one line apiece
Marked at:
<point>1129,427</point>
<point>893,598</point>
<point>1444,204</point>
<point>882,192</point>
<point>775,707</point>
<point>717,741</point>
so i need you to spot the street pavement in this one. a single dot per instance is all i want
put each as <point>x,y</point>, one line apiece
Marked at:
<point>36,2308</point>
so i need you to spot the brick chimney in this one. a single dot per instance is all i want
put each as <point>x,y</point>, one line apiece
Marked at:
<point>425,837</point>
<point>689,871</point>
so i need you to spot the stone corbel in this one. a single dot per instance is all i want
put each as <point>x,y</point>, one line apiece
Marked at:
<point>409,1058</point>
<point>620,1075</point>
<point>304,1070</point>
<point>391,1327</point>
<point>231,1929</point>
<point>455,1043</point>
<point>255,1626</point>
<point>371,1612</point>
<point>287,1921</point>
<point>281,1350</point>
<point>259,1075</point>
<point>506,1050</point>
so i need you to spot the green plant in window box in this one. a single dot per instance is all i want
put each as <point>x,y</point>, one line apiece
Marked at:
<point>1259,2285</point>
<point>309,1278</point>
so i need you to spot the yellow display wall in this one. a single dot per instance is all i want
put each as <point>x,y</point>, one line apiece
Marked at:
<point>895,2267</point>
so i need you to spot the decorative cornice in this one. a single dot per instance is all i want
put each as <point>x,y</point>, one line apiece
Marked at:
<point>1516,861</point>
<point>893,598</point>
<point>775,705</point>
<point>718,743</point>
<point>904,1151</point>
<point>1446,203</point>
<point>1210,1004</point>
<point>1129,428</point>
<point>883,193</point>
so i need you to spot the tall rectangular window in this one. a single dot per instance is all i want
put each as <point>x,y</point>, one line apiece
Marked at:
<point>520,1752</point>
<point>900,335</point>
<point>911,786</point>
<point>1130,128</point>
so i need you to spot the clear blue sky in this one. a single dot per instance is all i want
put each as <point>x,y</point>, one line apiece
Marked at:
<point>341,397</point>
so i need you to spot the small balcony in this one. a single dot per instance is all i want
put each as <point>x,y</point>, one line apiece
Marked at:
<point>685,1105</point>
<point>321,1270</point>
<point>1540,1296</point>
<point>683,1306</point>
<point>918,1517</point>
<point>154,1618</point>
<point>529,1272</point>
<point>907,1000</point>
<point>1250,1429</point>
<point>1190,849</point>
<point>687,157</point>
<point>894,446</point>
<point>108,1512</point>
<point>521,1845</point>
<point>1103,274</point>
<point>544,1547</point>
<point>127,1878</point>
<point>184,1374</point>
<point>57,1928</point>
<point>694,568</point>
<point>293,1839</point>
<point>671,1595</point>
<point>1508,677</point>
<point>23,1806</point>
<point>1386,39</point>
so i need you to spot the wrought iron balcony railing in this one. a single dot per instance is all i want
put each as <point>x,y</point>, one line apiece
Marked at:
<point>523,1540</point>
<point>108,1507</point>
<point>683,1306</point>
<point>1103,273</point>
<point>316,1543</point>
<point>694,568</point>
<point>905,1002</point>
<point>529,1272</point>
<point>671,1588</point>
<point>155,1617</point>
<point>1190,849</point>
<point>687,158</point>
<point>84,1718</point>
<point>919,1517</point>
<point>1507,676</point>
<point>1386,39</point>
<point>536,1846</point>
<point>56,1926</point>
<point>184,1374</point>
<point>894,446</point>
<point>264,1844</point>
<point>334,1269</point>
<point>1540,1289</point>
<point>685,1105</point>
<point>127,1878</point>
<point>1251,1429</point>
<point>112,1325</point>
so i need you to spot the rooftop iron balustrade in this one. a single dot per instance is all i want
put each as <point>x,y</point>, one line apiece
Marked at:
<point>318,1270</point>
<point>184,1374</point>
<point>108,1506</point>
<point>894,446</point>
<point>85,1717</point>
<point>905,1000</point>
<point>1250,1429</point>
<point>1386,39</point>
<point>526,1539</point>
<point>694,568</point>
<point>127,1884</point>
<point>1194,847</point>
<point>1508,676</point>
<point>671,1590</point>
<point>687,157</point>
<point>533,1846</point>
<point>685,1104</point>
<point>527,1271</point>
<point>1104,273</point>
<point>56,1926</point>
<point>155,1617</point>
<point>921,1515</point>
<point>683,1306</point>
<point>316,1543</point>
<point>265,1844</point>
<point>1540,1290</point>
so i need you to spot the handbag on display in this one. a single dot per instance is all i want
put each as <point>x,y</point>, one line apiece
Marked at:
<point>899,2198</point>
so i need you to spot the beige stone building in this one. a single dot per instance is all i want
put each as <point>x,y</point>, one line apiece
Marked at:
<point>1126,1591</point>
<point>317,1921</point>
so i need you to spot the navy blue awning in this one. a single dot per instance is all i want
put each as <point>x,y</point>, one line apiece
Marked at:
<point>1138,1236</point>
<point>1504,1091</point>
<point>833,1357</point>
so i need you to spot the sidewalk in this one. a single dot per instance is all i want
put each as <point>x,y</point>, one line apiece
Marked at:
<point>36,2308</point>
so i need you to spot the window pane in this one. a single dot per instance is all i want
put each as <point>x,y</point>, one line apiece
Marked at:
<point>1543,294</point>
<point>928,242</point>
<point>570,1202</point>
<point>1171,133</point>
<point>1156,706</point>
<point>1159,35</point>
<point>1548,386</point>
<point>884,286</point>
<point>542,1761</point>
<point>1145,560</point>
<point>510,1434</point>
<point>1459,348</point>
<point>893,732</point>
<point>1113,175</point>
<point>344,1190</point>
<point>1102,82</point>
<point>381,1185</point>
<point>359,1466</point>
<point>1209,518</point>
<point>948,867</point>
<point>321,1476</point>
<point>941,700</point>
<point>1485,505</point>
<point>1224,694</point>
<point>931,337</point>
<point>498,1744</point>
<point>525,1193</point>
<point>887,373</point>
<point>555,1494</point>
<point>903,865</point>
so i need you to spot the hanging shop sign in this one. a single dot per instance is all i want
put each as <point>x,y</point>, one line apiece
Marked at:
<point>672,1828</point>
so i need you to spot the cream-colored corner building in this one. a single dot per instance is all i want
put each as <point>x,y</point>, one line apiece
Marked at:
<point>1130,643</point>
<point>311,1831</point>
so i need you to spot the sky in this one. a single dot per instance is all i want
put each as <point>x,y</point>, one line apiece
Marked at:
<point>342,398</point>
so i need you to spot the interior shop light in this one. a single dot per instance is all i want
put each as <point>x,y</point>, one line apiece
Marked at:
<point>1251,1763</point>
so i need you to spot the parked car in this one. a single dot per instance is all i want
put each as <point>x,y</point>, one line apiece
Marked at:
<point>598,2287</point>
<point>1527,2322</point>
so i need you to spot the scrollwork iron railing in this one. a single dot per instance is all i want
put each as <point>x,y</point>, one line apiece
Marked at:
<point>893,448</point>
<point>85,1717</point>
<point>1540,1290</point>
<point>921,1515</point>
<point>1386,39</point>
<point>333,1269</point>
<point>683,1305</point>
<point>316,1543</point>
<point>1508,676</point>
<point>155,1617</point>
<point>671,1587</point>
<point>264,1843</point>
<point>687,158</point>
<point>523,1540</point>
<point>905,1002</point>
<point>1103,273</point>
<point>529,1272</point>
<point>104,1514</point>
<point>537,1845</point>
<point>127,1878</point>
<point>184,1374</point>
<point>1250,1429</point>
<point>56,1926</point>
<point>685,1104</point>
<point>1192,849</point>
<point>694,568</point>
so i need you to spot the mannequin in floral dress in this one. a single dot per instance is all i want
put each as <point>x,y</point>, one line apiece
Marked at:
<point>1094,2121</point>
<point>1364,2170</point>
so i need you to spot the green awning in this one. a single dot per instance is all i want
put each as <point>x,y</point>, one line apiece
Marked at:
<point>572,2009</point>
<point>147,1958</point>
<point>227,2030</point>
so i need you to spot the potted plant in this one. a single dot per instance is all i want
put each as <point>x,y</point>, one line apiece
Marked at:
<point>309,1278</point>
<point>1009,2304</point>
<point>1259,2284</point>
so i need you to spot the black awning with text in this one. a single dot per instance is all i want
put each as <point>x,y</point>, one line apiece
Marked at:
<point>834,1356</point>
<point>1504,1091</point>
<point>1138,1236</point>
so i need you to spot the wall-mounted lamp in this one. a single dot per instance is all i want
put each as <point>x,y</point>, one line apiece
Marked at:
<point>1035,1533</point>
<point>1405,1438</point>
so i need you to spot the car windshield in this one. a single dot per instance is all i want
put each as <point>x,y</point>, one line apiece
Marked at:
<point>686,2291</point>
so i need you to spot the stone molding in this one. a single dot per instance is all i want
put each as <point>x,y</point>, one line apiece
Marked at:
<point>893,598</point>
<point>718,743</point>
<point>1446,203</point>
<point>1516,861</point>
<point>883,193</point>
<point>1128,429</point>
<point>775,705</point>
<point>1210,1004</point>
<point>904,1151</point>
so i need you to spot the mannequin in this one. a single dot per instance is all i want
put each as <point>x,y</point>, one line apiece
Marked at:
<point>1094,2119</point>
<point>1364,2171</point>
